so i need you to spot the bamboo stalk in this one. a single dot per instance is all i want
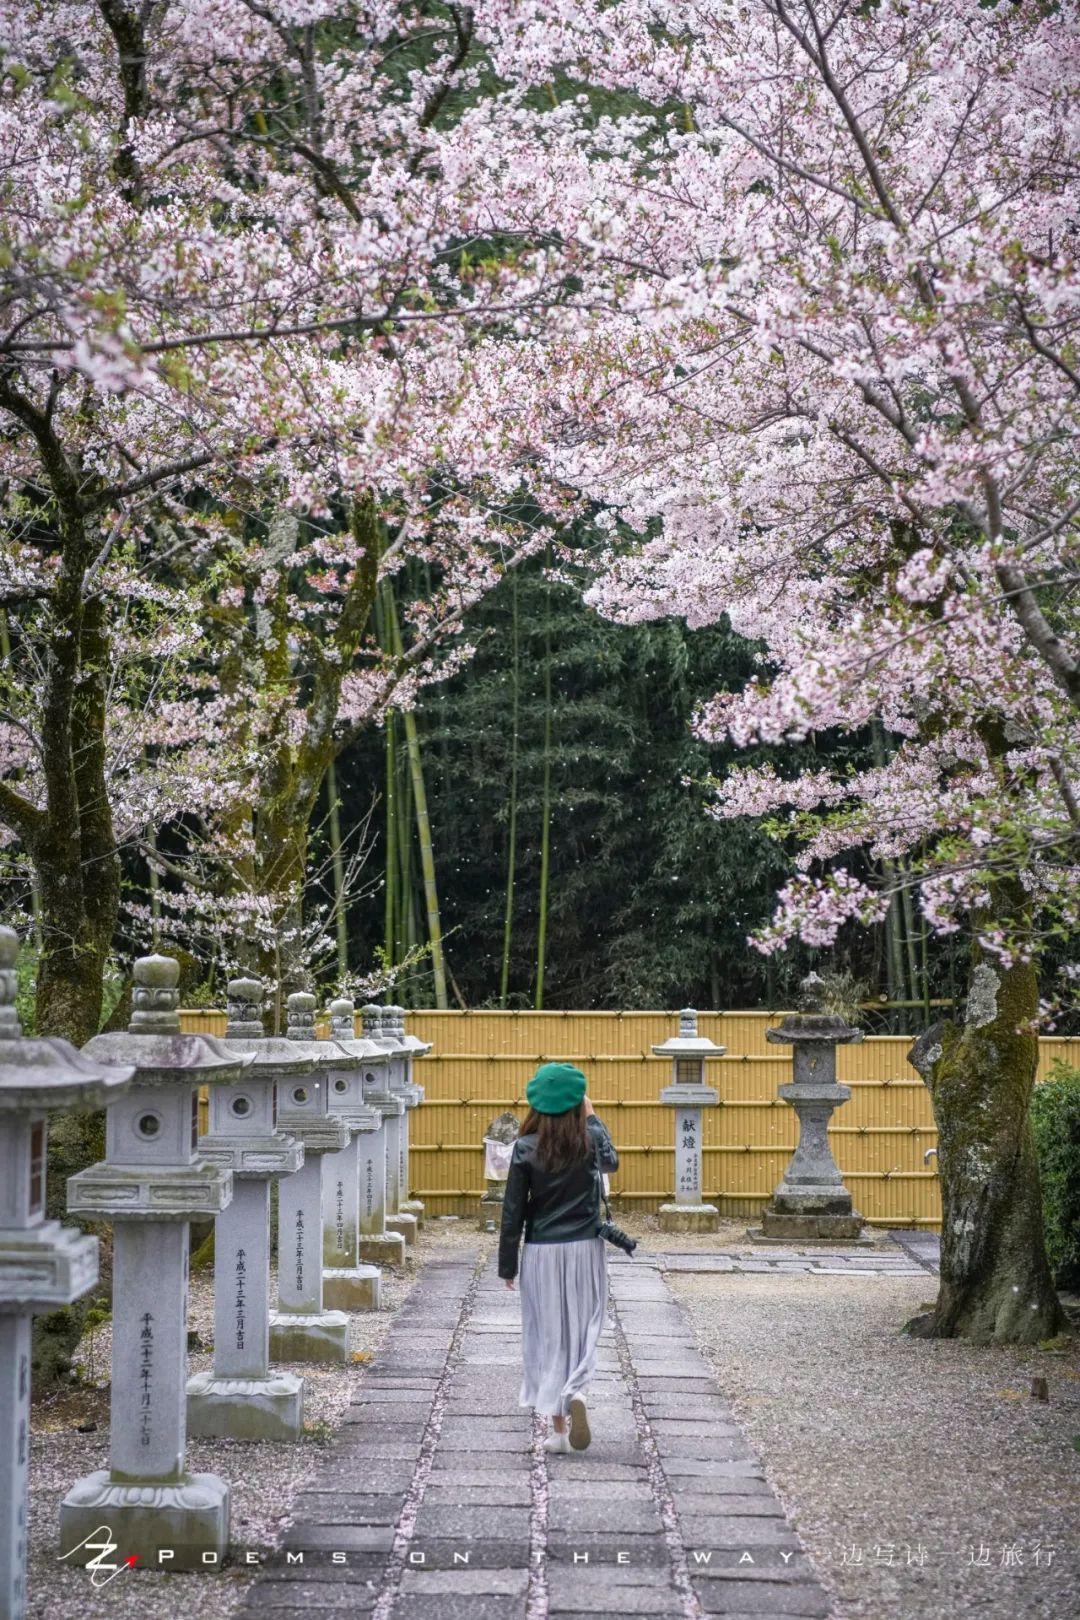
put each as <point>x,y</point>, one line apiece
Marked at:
<point>511,843</point>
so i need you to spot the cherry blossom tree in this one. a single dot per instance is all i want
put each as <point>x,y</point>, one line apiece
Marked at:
<point>836,396</point>
<point>239,276</point>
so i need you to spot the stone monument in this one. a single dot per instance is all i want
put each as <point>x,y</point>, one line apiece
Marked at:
<point>811,1203</point>
<point>303,1328</point>
<point>43,1265</point>
<point>688,1095</point>
<point>499,1139</point>
<point>241,1399</point>
<point>349,1282</point>
<point>151,1183</point>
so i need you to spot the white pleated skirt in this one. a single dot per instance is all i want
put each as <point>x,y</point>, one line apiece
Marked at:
<point>563,1301</point>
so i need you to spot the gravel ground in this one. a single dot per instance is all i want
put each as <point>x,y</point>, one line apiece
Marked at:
<point>878,1443</point>
<point>264,1477</point>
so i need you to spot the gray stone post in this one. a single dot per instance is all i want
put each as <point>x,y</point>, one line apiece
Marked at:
<point>811,1202</point>
<point>414,1096</point>
<point>241,1399</point>
<point>377,1244</point>
<point>303,1328</point>
<point>43,1265</point>
<point>688,1095</point>
<point>150,1184</point>
<point>349,1282</point>
<point>392,1104</point>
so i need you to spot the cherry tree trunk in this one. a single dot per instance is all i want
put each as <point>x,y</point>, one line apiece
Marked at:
<point>995,1284</point>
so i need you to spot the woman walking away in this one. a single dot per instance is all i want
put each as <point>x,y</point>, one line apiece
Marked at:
<point>553,1194</point>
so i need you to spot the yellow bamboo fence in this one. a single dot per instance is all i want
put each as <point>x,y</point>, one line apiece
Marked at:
<point>481,1061</point>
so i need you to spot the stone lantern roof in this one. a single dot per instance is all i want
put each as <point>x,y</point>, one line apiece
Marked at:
<point>40,1074</point>
<point>411,1042</point>
<point>245,1023</point>
<point>811,1023</point>
<point>342,1032</point>
<point>164,1055</point>
<point>688,1043</point>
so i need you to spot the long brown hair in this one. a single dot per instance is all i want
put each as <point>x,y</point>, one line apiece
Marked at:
<point>562,1140</point>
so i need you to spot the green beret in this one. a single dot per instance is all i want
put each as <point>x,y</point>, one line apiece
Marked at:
<point>555,1087</point>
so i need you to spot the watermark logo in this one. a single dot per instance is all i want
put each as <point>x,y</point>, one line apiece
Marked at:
<point>102,1570</point>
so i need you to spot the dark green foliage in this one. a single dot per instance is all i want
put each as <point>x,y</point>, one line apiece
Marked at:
<point>650,900</point>
<point>1055,1119</point>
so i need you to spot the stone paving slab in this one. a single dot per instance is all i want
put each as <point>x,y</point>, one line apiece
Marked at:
<point>439,1497</point>
<point>908,1261</point>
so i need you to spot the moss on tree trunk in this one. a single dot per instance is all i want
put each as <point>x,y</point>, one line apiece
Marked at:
<point>995,1285</point>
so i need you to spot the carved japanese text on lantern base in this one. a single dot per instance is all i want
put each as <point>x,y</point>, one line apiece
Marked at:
<point>350,1282</point>
<point>304,1328</point>
<point>242,1399</point>
<point>811,1203</point>
<point>43,1265</point>
<point>688,1095</point>
<point>392,1102</point>
<point>150,1185</point>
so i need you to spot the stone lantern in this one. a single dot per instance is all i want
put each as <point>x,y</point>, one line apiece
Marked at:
<point>349,1283</point>
<point>414,1096</point>
<point>377,1244</point>
<point>43,1265</point>
<point>151,1184</point>
<point>303,1328</point>
<point>811,1203</point>
<point>688,1095</point>
<point>392,1102</point>
<point>241,1399</point>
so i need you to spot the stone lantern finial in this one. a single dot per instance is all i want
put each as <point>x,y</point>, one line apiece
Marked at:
<point>300,1016</point>
<point>687,1022</point>
<point>156,997</point>
<point>9,954</point>
<point>244,1007</point>
<point>342,1018</point>
<point>811,998</point>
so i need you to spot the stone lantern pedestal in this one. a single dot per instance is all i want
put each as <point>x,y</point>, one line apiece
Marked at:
<point>43,1265</point>
<point>414,1096</point>
<point>349,1282</point>
<point>150,1184</point>
<point>688,1095</point>
<point>303,1328</point>
<point>811,1203</point>
<point>392,1103</point>
<point>242,1399</point>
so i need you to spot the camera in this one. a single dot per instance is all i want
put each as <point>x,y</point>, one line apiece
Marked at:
<point>614,1234</point>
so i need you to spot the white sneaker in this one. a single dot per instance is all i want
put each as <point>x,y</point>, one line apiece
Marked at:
<point>557,1442</point>
<point>580,1435</point>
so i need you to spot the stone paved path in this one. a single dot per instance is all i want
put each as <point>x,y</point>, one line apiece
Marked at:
<point>923,1247</point>
<point>437,1502</point>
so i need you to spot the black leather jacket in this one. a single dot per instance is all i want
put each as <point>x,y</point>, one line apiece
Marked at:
<point>559,1208</point>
